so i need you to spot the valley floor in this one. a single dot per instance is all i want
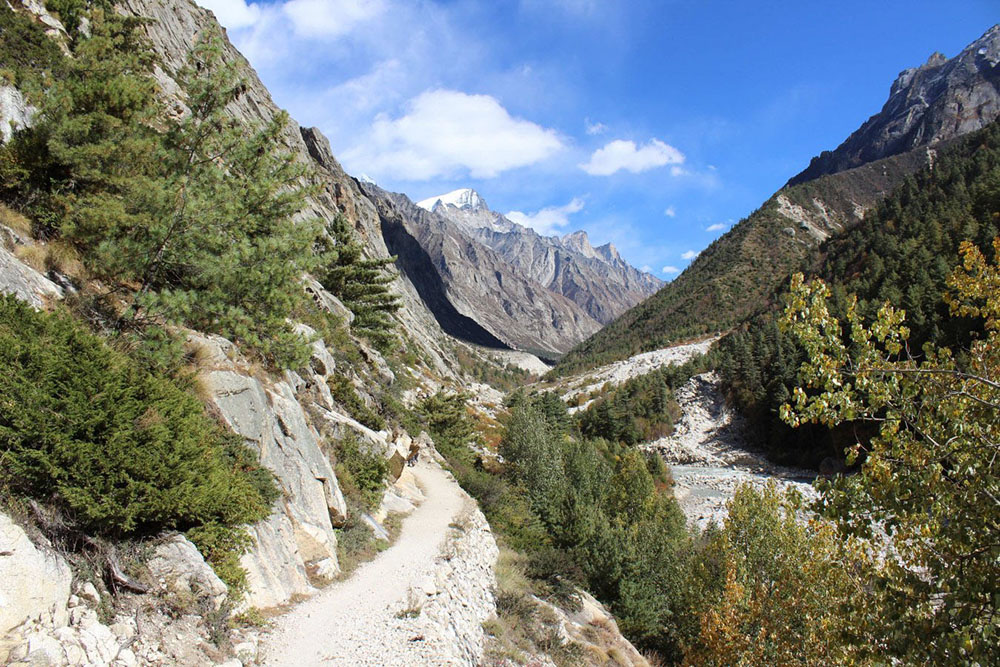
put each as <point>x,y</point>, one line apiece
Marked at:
<point>709,457</point>
<point>373,618</point>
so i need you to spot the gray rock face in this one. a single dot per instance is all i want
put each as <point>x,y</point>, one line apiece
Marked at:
<point>179,568</point>
<point>300,531</point>
<point>36,582</point>
<point>24,282</point>
<point>473,290</point>
<point>939,100</point>
<point>14,112</point>
<point>597,280</point>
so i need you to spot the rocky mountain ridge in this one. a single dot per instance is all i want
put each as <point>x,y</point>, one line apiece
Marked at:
<point>474,291</point>
<point>939,100</point>
<point>598,280</point>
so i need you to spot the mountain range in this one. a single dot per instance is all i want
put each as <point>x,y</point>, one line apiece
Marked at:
<point>493,282</point>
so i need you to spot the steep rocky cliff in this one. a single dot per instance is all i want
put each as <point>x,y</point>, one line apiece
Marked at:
<point>939,100</point>
<point>597,279</point>
<point>172,28</point>
<point>474,290</point>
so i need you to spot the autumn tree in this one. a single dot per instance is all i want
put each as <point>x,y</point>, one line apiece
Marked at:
<point>924,511</point>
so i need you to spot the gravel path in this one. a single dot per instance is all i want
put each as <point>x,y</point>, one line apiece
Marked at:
<point>354,622</point>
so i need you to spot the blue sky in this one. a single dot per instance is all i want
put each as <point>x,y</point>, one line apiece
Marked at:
<point>654,125</point>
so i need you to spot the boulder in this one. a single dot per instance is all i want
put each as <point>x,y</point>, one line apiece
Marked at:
<point>24,282</point>
<point>35,580</point>
<point>179,568</point>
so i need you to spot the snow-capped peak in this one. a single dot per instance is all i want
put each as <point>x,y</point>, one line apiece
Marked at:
<point>466,199</point>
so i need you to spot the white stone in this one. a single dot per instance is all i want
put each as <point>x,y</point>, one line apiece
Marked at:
<point>88,592</point>
<point>36,581</point>
<point>178,563</point>
<point>126,658</point>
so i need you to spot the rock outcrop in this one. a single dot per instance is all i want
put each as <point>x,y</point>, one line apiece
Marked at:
<point>36,581</point>
<point>24,282</point>
<point>297,539</point>
<point>14,112</point>
<point>178,568</point>
<point>940,100</point>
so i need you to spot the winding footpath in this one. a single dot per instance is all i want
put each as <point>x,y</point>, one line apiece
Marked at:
<point>362,620</point>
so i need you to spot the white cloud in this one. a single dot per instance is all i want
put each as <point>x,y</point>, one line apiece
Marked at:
<point>716,227</point>
<point>448,133</point>
<point>670,212</point>
<point>670,270</point>
<point>234,14</point>
<point>646,268</point>
<point>548,220</point>
<point>330,18</point>
<point>689,254</point>
<point>620,154</point>
<point>594,128</point>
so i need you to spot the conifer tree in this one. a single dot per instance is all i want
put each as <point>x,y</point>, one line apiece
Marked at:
<point>361,284</point>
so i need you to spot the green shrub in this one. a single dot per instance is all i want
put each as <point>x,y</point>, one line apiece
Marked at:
<point>361,474</point>
<point>25,50</point>
<point>119,449</point>
<point>222,547</point>
<point>345,394</point>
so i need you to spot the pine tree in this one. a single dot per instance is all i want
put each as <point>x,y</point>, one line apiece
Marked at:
<point>224,253</point>
<point>361,284</point>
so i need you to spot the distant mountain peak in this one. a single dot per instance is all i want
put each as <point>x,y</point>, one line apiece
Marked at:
<point>578,241</point>
<point>465,199</point>
<point>609,252</point>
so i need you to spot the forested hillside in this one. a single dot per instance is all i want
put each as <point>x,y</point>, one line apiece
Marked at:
<point>736,274</point>
<point>928,107</point>
<point>902,253</point>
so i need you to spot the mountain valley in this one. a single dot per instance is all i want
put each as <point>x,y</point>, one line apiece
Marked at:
<point>256,410</point>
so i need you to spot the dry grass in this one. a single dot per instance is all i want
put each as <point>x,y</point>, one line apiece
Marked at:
<point>32,255</point>
<point>54,256</point>
<point>65,259</point>
<point>17,222</point>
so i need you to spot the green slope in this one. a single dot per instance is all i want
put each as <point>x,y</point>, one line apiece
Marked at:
<point>902,252</point>
<point>734,276</point>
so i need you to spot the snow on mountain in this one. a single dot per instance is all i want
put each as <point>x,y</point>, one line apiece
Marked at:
<point>468,209</point>
<point>463,198</point>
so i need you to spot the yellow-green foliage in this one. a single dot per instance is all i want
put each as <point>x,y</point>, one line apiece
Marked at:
<point>931,476</point>
<point>783,586</point>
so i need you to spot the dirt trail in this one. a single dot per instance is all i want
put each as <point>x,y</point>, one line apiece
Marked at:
<point>358,621</point>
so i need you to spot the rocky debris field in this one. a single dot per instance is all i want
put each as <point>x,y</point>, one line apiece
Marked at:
<point>709,456</point>
<point>620,372</point>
